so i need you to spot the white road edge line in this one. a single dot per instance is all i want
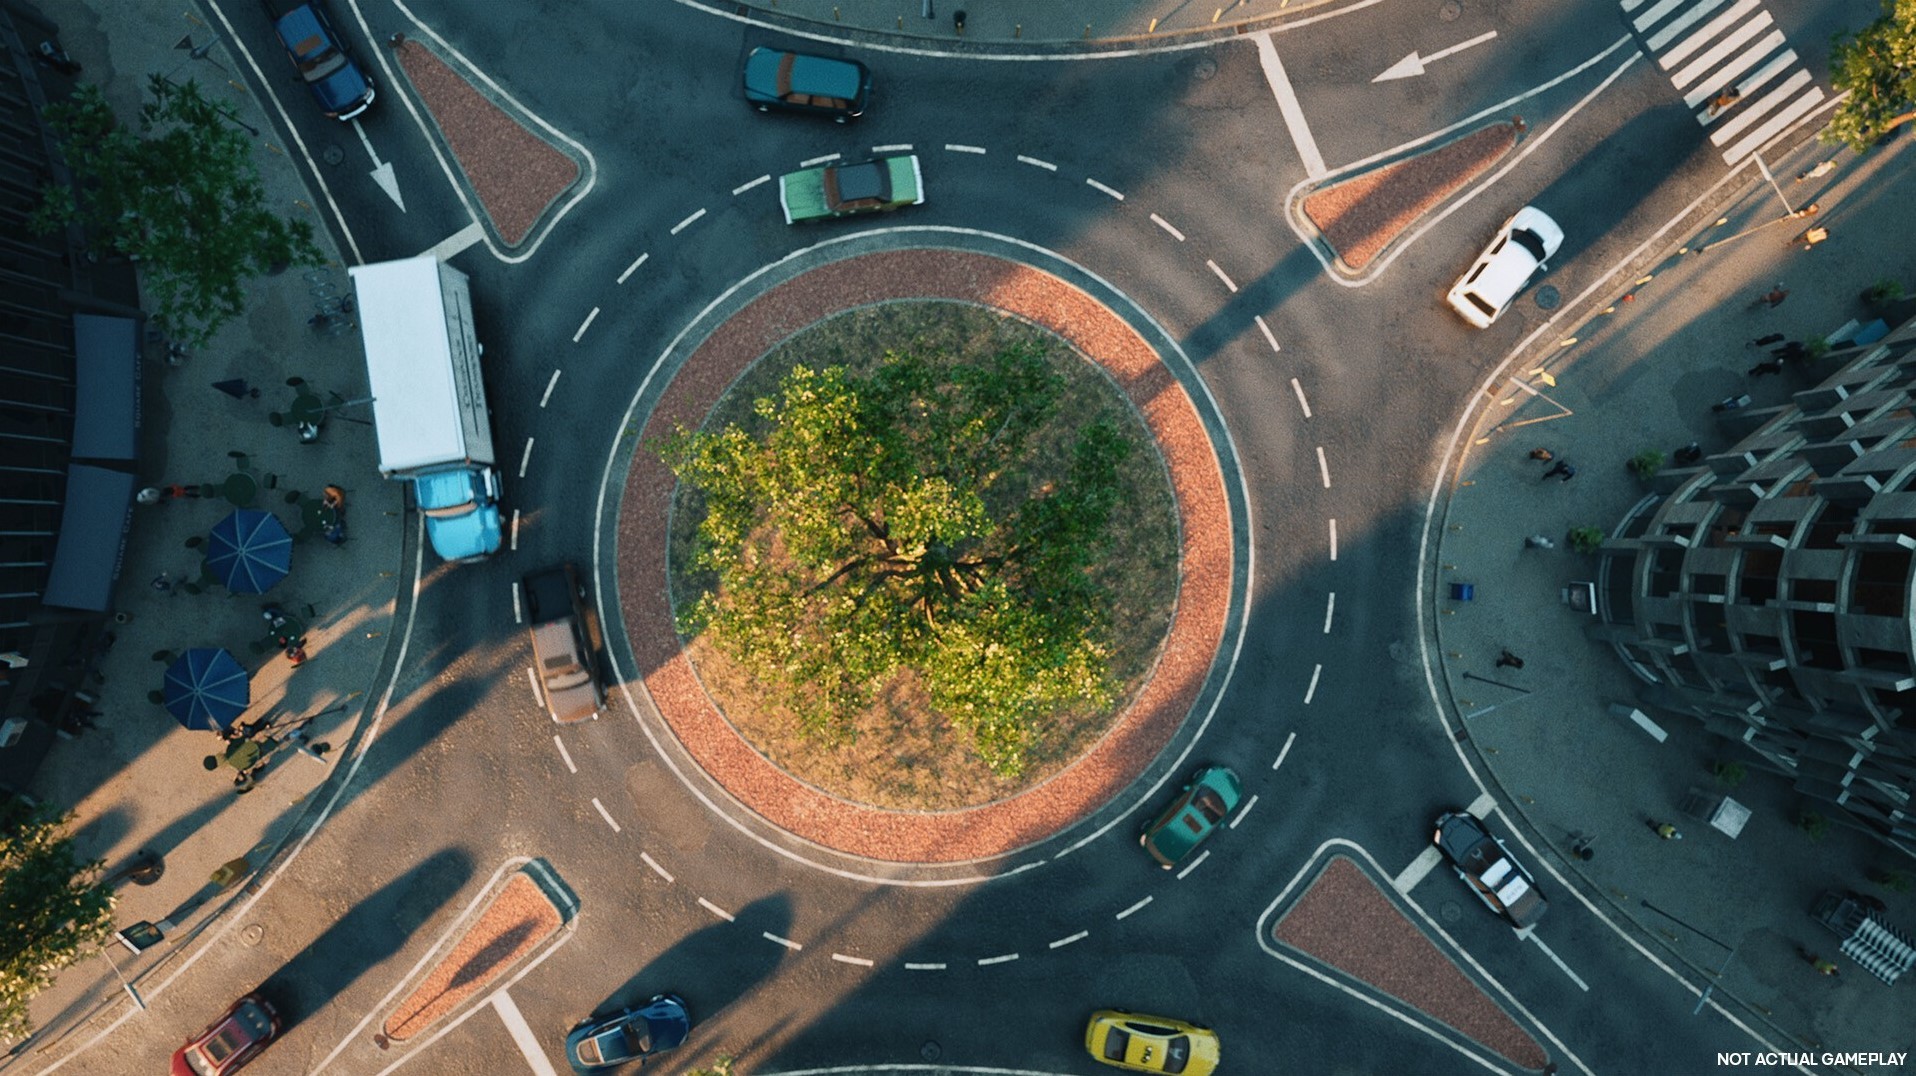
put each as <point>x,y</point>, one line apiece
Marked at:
<point>1330,610</point>
<point>716,910</point>
<point>533,679</point>
<point>525,458</point>
<point>1134,908</point>
<point>1036,163</point>
<point>521,1033</point>
<point>1301,401</point>
<point>1285,750</point>
<point>786,942</point>
<point>1228,282</point>
<point>550,385</point>
<point>634,267</point>
<point>1246,809</point>
<point>819,160</point>
<point>1316,671</point>
<point>564,754</point>
<point>1416,870</point>
<point>1531,934</point>
<point>987,961</point>
<point>1062,942</point>
<point>1271,339</point>
<point>955,147</point>
<point>749,184</point>
<point>605,814</point>
<point>1287,105</point>
<point>1323,467</point>
<point>687,222</point>
<point>1333,523</point>
<point>1193,865</point>
<point>858,960</point>
<point>1166,225</point>
<point>1089,182</point>
<point>656,869</point>
<point>584,325</point>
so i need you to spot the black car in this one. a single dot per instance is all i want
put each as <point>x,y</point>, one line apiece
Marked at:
<point>320,56</point>
<point>1489,869</point>
<point>555,609</point>
<point>637,1034</point>
<point>800,82</point>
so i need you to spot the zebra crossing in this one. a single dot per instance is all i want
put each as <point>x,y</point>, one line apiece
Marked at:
<point>1734,68</point>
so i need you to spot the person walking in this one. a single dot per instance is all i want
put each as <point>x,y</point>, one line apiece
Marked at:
<point>1724,100</point>
<point>1538,541</point>
<point>1766,341</point>
<point>1819,171</point>
<point>1545,455</point>
<point>1563,468</point>
<point>1508,660</point>
<point>1823,965</point>
<point>1665,830</point>
<point>1813,236</point>
<point>1772,298</point>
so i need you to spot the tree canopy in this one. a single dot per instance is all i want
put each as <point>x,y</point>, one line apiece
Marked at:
<point>52,906</point>
<point>877,524</point>
<point>1877,68</point>
<point>181,196</point>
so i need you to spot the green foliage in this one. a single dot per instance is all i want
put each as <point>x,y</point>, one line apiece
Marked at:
<point>1728,774</point>
<point>1647,463</point>
<point>1585,539</point>
<point>887,522</point>
<point>1894,879</point>
<point>1877,68</point>
<point>721,1067</point>
<point>51,907</point>
<point>1816,347</point>
<point>182,197</point>
<point>1813,824</point>
<point>1885,290</point>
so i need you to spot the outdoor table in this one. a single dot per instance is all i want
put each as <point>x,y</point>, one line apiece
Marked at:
<point>242,755</point>
<point>307,407</point>
<point>315,516</point>
<point>240,489</point>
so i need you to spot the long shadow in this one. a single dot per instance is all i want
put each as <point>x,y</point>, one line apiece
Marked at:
<point>372,931</point>
<point>713,955</point>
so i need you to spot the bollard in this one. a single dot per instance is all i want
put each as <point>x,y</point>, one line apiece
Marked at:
<point>1216,15</point>
<point>1153,28</point>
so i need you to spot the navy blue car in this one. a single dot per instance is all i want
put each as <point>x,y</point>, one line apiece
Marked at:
<point>319,55</point>
<point>637,1034</point>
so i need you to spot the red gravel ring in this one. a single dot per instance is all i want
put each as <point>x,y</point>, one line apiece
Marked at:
<point>1140,733</point>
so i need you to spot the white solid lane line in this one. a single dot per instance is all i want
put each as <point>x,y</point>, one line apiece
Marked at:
<point>564,754</point>
<point>1480,807</point>
<point>743,187</point>
<point>1062,942</point>
<point>584,325</point>
<point>1287,105</point>
<point>550,385</point>
<point>1531,934</point>
<point>532,678</point>
<point>1425,862</point>
<point>1134,908</point>
<point>521,1033</point>
<point>1166,225</point>
<point>786,942</point>
<point>716,910</point>
<point>605,814</point>
<point>1242,811</point>
<point>634,267</point>
<point>656,869</point>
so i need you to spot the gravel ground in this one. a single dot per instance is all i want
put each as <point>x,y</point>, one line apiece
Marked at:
<point>519,918</point>
<point>1136,738</point>
<point>1361,216</point>
<point>515,173</point>
<point>1345,920</point>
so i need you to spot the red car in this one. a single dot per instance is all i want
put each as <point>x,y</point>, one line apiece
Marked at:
<point>228,1043</point>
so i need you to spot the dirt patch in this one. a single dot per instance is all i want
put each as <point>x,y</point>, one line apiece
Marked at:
<point>1359,217</point>
<point>1345,920</point>
<point>898,754</point>
<point>518,919</point>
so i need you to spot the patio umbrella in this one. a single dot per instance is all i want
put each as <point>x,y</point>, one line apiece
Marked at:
<point>249,551</point>
<point>206,688</point>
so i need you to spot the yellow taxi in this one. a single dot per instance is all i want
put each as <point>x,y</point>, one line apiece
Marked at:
<point>1141,1043</point>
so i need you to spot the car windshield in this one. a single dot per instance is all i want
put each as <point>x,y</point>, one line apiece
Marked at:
<point>318,59</point>
<point>1177,1053</point>
<point>224,1044</point>
<point>1477,301</point>
<point>1208,801</point>
<point>1530,241</point>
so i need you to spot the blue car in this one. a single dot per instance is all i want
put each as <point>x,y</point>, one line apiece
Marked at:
<point>637,1034</point>
<point>319,55</point>
<point>800,82</point>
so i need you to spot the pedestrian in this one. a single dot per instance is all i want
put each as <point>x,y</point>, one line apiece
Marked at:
<point>1508,660</point>
<point>1819,171</point>
<point>1774,297</point>
<point>1812,237</point>
<point>237,388</point>
<point>1724,100</point>
<point>1771,365</point>
<point>1765,341</point>
<point>296,653</point>
<point>1791,351</point>
<point>1561,467</point>
<point>1538,541</point>
<point>335,533</point>
<point>1665,830</point>
<point>335,497</point>
<point>1688,454</point>
<point>1823,965</point>
<point>163,583</point>
<point>1543,454</point>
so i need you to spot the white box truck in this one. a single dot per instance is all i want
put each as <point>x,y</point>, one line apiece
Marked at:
<point>429,405</point>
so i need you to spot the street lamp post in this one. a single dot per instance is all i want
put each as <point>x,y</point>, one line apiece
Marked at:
<point>1729,954</point>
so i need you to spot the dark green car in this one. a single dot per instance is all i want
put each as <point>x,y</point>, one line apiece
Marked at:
<point>1203,804</point>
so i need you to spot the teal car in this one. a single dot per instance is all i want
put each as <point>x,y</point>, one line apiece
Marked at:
<point>1202,805</point>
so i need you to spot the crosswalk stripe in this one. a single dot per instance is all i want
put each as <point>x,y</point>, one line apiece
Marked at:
<point>1708,32</point>
<point>1748,115</point>
<point>1649,18</point>
<point>1681,23</point>
<point>1769,130</point>
<point>1632,5</point>
<point>1702,64</point>
<point>1726,74</point>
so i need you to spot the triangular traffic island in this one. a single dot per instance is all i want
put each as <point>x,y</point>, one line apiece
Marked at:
<point>1346,921</point>
<point>518,916</point>
<point>514,173</point>
<point>1358,217</point>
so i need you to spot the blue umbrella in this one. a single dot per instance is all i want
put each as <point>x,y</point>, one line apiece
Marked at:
<point>206,688</point>
<point>249,551</point>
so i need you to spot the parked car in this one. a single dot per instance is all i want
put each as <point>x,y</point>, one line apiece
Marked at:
<point>1151,1043</point>
<point>840,190</point>
<point>1514,259</point>
<point>800,82</point>
<point>228,1043</point>
<point>1204,802</point>
<point>555,609</point>
<point>637,1034</point>
<point>321,57</point>
<point>1489,869</point>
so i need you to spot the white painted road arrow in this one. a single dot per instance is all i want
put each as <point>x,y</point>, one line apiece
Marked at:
<point>1414,65</point>
<point>382,170</point>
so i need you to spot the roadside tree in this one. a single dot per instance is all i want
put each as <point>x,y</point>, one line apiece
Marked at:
<point>892,524</point>
<point>1877,68</point>
<point>181,196</point>
<point>52,907</point>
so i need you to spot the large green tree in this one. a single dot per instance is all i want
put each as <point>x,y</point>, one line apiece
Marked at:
<point>181,195</point>
<point>52,907</point>
<point>1877,68</point>
<point>891,522</point>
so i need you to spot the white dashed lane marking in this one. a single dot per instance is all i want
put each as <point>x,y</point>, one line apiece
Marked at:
<point>656,869</point>
<point>1323,467</point>
<point>518,614</point>
<point>1298,388</point>
<point>564,754</point>
<point>586,324</point>
<point>1333,539</point>
<point>525,458</point>
<point>1330,610</point>
<point>1246,809</point>
<point>1220,275</point>
<point>1099,186</point>
<point>1271,339</point>
<point>895,147</point>
<point>1134,908</point>
<point>1166,225</point>
<point>957,148</point>
<point>990,960</point>
<point>1062,942</point>
<point>924,967</point>
<point>687,222</point>
<point>1316,671</point>
<point>786,942</point>
<point>605,814</point>
<point>550,385</point>
<point>1285,750</point>
<point>716,910</point>
<point>1036,163</point>
<point>1193,865</point>
<point>819,160</point>
<point>515,549</point>
<point>743,187</point>
<point>634,267</point>
<point>858,960</point>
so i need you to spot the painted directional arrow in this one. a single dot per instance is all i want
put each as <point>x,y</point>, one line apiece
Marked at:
<point>1414,64</point>
<point>382,170</point>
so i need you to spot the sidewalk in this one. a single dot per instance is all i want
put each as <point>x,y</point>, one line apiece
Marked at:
<point>136,780</point>
<point>1645,377</point>
<point>1052,26</point>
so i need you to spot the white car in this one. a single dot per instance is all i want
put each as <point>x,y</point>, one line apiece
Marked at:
<point>1523,245</point>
